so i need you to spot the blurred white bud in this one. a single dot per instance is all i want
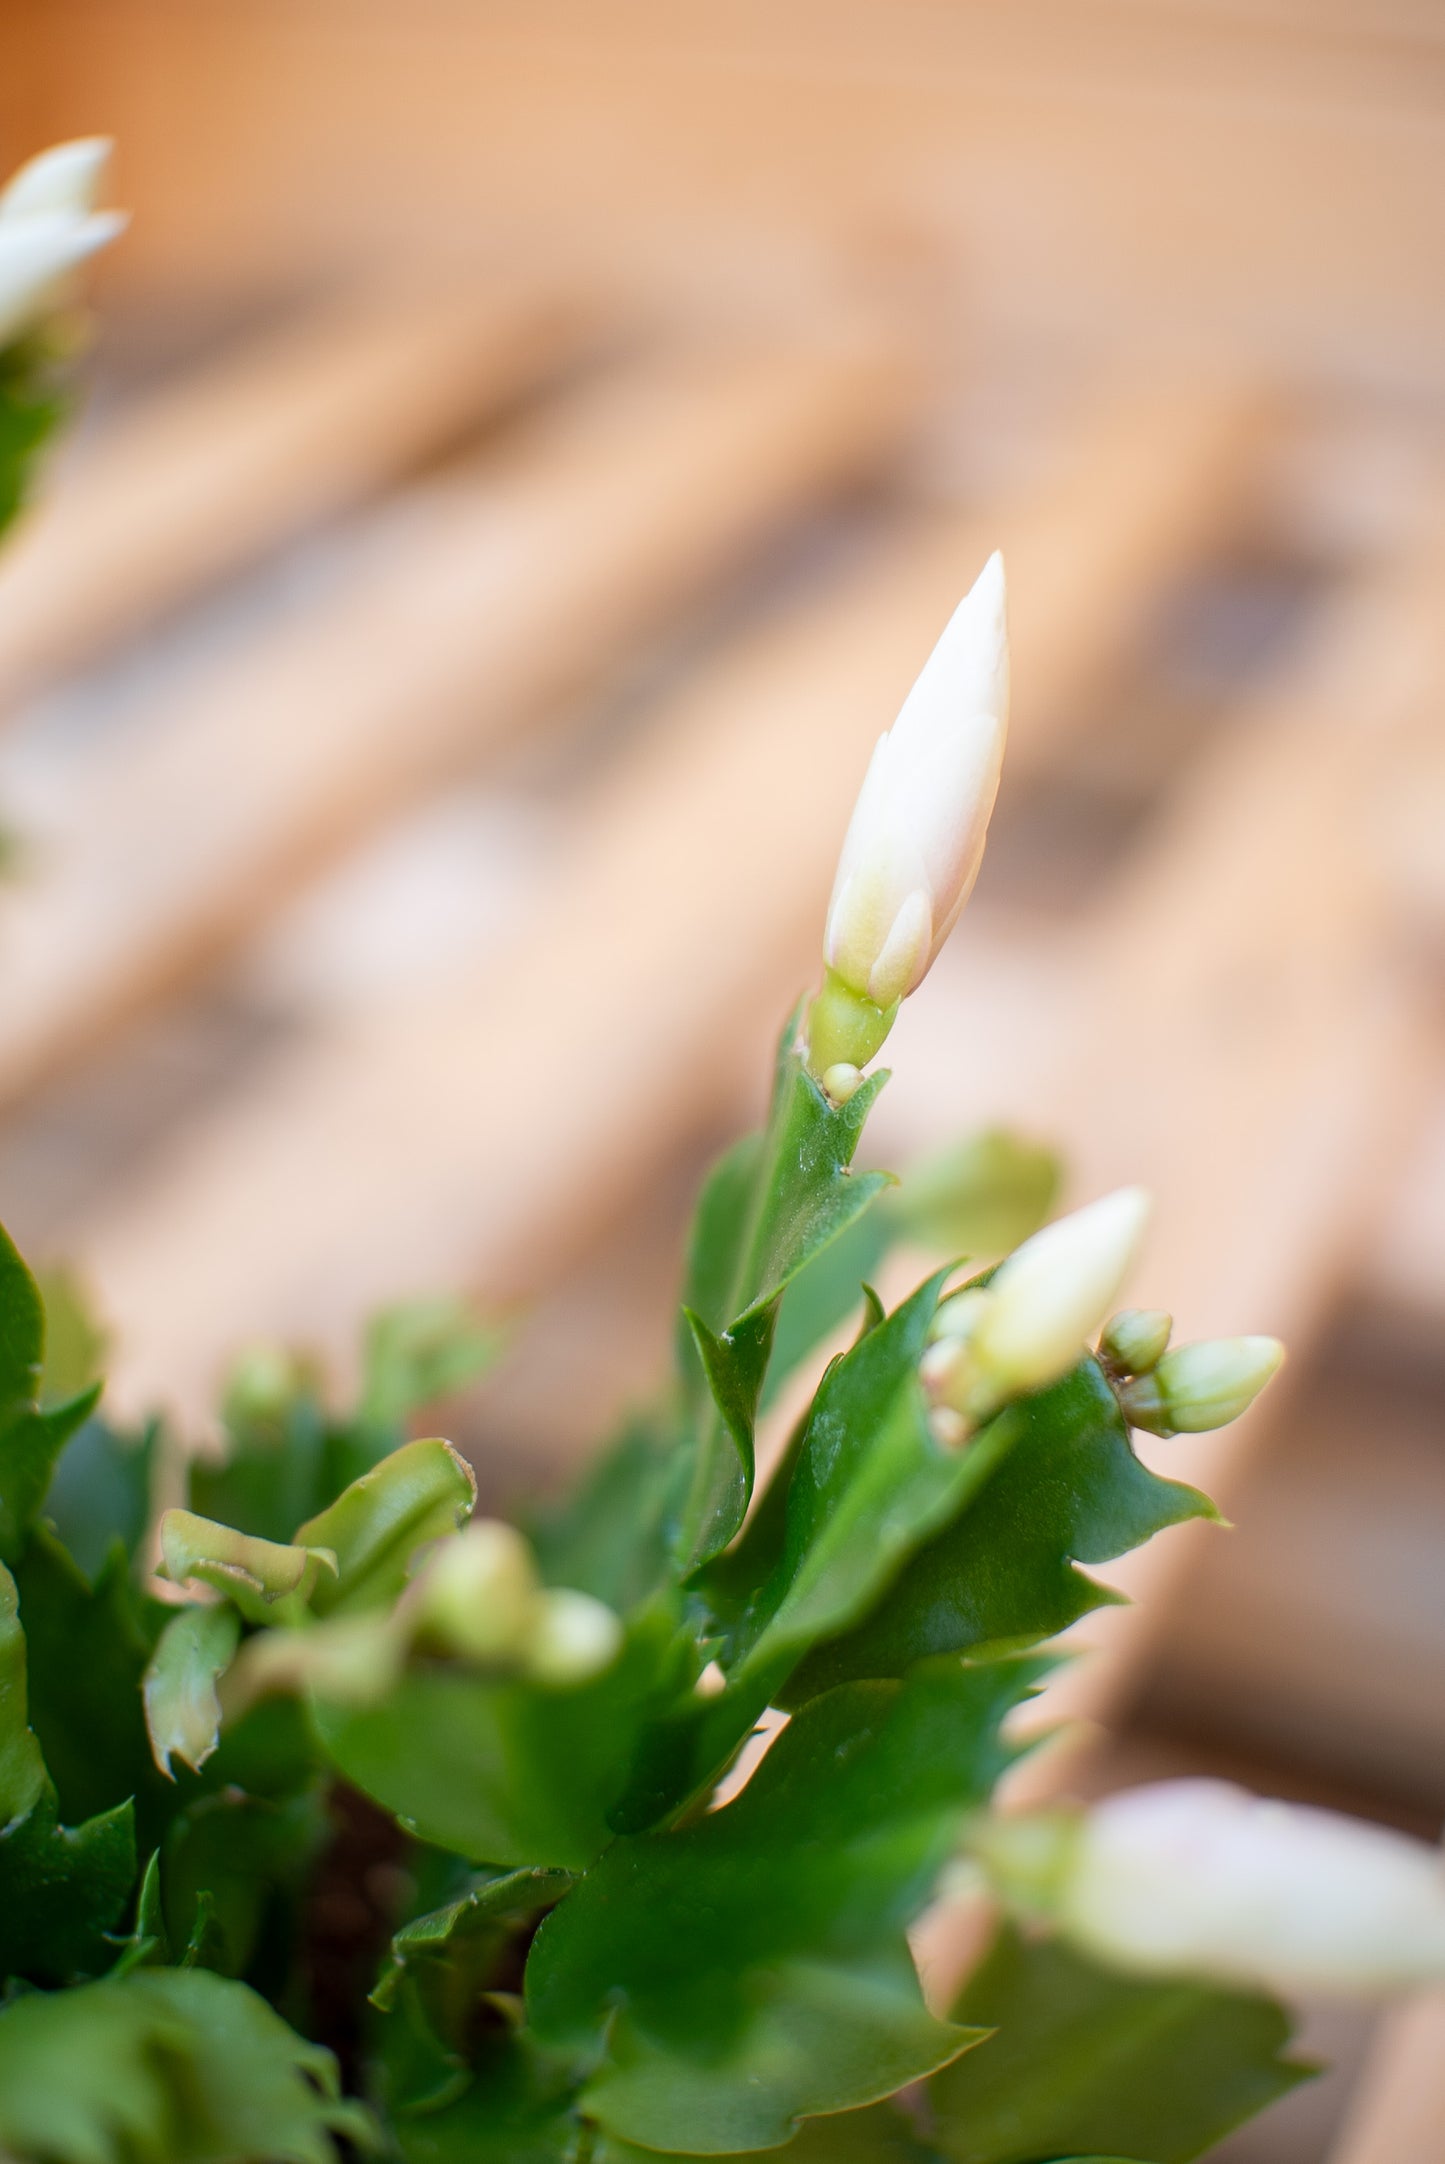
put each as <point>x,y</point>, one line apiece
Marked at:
<point>1201,1386</point>
<point>1199,1878</point>
<point>479,1594</point>
<point>1136,1339</point>
<point>48,228</point>
<point>573,1638</point>
<point>1049,1295</point>
<point>916,838</point>
<point>66,177</point>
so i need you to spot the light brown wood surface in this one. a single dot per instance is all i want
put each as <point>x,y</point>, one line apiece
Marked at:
<point>491,595</point>
<point>208,473</point>
<point>501,1124</point>
<point>1398,2114</point>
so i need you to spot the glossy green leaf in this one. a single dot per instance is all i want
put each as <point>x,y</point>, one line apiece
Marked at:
<point>1068,1489</point>
<point>100,1494</point>
<point>1084,2061</point>
<point>504,1771</point>
<point>63,1889</point>
<point>88,1712</point>
<point>751,1968</point>
<point>515,2108</point>
<point>166,2067</point>
<point>376,1526</point>
<point>496,1898</point>
<point>182,1709</point>
<point>878,2134</point>
<point>867,1486</point>
<point>768,1211</point>
<point>234,1873</point>
<point>30,1438</point>
<point>22,1764</point>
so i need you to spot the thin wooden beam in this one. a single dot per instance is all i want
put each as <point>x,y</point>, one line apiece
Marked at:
<point>205,475</point>
<point>499,592</point>
<point>492,1132</point>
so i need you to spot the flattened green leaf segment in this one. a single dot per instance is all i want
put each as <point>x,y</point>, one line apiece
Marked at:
<point>1086,2062</point>
<point>751,1969</point>
<point>30,1440</point>
<point>167,2067</point>
<point>1068,1489</point>
<point>773,1204</point>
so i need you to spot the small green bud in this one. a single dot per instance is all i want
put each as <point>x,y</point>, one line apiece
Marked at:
<point>1136,1339</point>
<point>1202,1386</point>
<point>574,1638</point>
<point>842,1081</point>
<point>353,1660</point>
<point>479,1594</point>
<point>845,1028</point>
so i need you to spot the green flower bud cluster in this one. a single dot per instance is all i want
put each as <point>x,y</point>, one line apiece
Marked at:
<point>1191,1388</point>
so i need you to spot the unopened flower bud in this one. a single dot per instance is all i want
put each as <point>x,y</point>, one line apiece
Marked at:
<point>1197,1387</point>
<point>842,1080</point>
<point>916,838</point>
<point>1136,1339</point>
<point>1050,1295</point>
<point>479,1594</point>
<point>1200,1878</point>
<point>573,1639</point>
<point>48,227</point>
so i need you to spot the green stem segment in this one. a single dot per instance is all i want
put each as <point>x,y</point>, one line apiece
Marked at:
<point>844,1027</point>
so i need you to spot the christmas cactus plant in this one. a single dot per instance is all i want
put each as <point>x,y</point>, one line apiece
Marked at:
<point>333,1817</point>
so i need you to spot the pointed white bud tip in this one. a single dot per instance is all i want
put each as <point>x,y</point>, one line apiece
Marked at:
<point>1203,1386</point>
<point>67,177</point>
<point>916,838</point>
<point>573,1639</point>
<point>1199,1878</point>
<point>1136,1339</point>
<point>479,1594</point>
<point>1052,1293</point>
<point>48,228</point>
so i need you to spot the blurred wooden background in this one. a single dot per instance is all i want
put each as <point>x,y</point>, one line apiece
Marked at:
<point>531,450</point>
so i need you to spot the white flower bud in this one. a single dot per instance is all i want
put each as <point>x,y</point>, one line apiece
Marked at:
<point>48,227</point>
<point>1197,1387</point>
<point>66,177</point>
<point>1049,1295</point>
<point>1199,1878</point>
<point>573,1639</point>
<point>916,838</point>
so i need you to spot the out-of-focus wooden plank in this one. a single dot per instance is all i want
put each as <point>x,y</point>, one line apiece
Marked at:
<point>210,472</point>
<point>1406,1265</point>
<point>1398,2115</point>
<point>500,1127</point>
<point>499,592</point>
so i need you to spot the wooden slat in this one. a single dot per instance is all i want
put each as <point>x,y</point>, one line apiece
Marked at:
<point>1247,1046</point>
<point>1398,2113</point>
<point>498,593</point>
<point>209,473</point>
<point>499,1128</point>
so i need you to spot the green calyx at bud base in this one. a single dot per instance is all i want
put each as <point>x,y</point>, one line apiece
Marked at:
<point>1028,1861</point>
<point>1203,1386</point>
<point>1136,1339</point>
<point>845,1028</point>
